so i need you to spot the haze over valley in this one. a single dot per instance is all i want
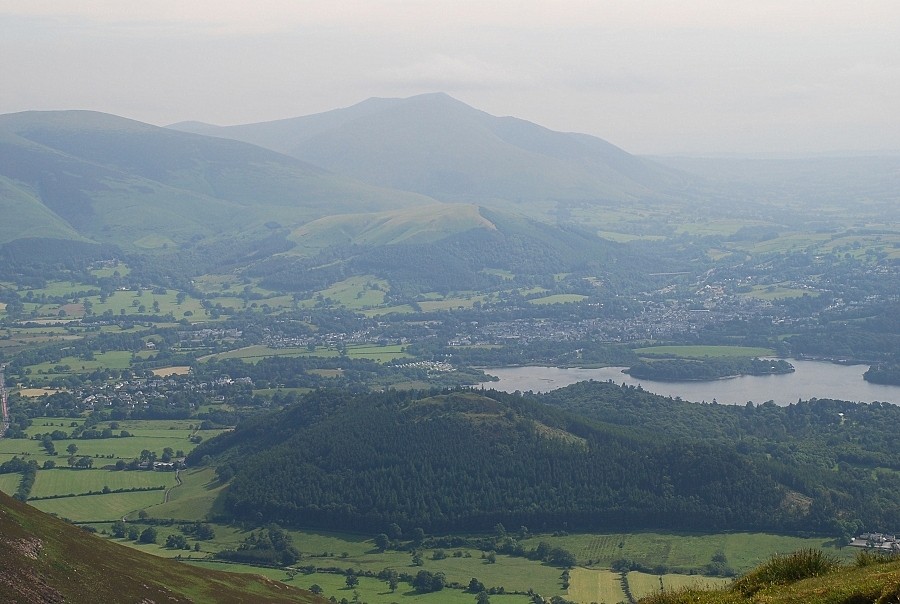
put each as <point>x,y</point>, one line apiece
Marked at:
<point>252,319</point>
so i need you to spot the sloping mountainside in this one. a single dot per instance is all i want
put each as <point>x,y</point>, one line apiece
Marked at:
<point>79,174</point>
<point>46,560</point>
<point>438,146</point>
<point>456,250</point>
<point>415,225</point>
<point>465,460</point>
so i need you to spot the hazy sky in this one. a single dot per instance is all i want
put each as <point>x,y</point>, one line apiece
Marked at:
<point>652,76</point>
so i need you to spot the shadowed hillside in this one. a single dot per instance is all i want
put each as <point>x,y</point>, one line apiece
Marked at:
<point>47,560</point>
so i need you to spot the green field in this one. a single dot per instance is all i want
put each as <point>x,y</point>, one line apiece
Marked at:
<point>588,585</point>
<point>597,584</point>
<point>111,449</point>
<point>450,303</point>
<point>9,483</point>
<point>252,354</point>
<point>403,309</point>
<point>642,584</point>
<point>117,302</point>
<point>110,271</point>
<point>153,435</point>
<point>193,499</point>
<point>370,590</point>
<point>65,480</point>
<point>130,302</point>
<point>29,449</point>
<point>786,242</point>
<point>701,352</point>
<point>356,293</point>
<point>115,359</point>
<point>683,552</point>
<point>98,507</point>
<point>325,549</point>
<point>775,292</point>
<point>499,272</point>
<point>558,299</point>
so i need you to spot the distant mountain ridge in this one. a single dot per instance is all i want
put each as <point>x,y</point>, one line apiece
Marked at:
<point>93,176</point>
<point>440,147</point>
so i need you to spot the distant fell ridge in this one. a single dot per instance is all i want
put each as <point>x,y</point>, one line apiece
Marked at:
<point>438,146</point>
<point>89,176</point>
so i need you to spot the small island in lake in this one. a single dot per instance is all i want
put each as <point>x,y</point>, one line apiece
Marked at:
<point>706,369</point>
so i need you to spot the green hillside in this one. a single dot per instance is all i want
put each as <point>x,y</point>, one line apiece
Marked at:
<point>457,248</point>
<point>119,181</point>
<point>48,560</point>
<point>414,225</point>
<point>24,216</point>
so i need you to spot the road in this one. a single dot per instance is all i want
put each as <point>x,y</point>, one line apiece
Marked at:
<point>3,400</point>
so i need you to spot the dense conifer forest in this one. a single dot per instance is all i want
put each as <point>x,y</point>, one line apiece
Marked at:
<point>615,457</point>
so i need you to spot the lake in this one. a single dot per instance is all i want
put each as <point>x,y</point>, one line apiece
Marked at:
<point>812,379</point>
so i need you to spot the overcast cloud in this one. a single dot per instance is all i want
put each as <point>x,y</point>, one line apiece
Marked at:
<point>652,76</point>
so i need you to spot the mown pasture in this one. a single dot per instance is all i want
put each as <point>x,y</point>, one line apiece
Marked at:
<point>63,480</point>
<point>641,584</point>
<point>779,291</point>
<point>592,585</point>
<point>114,359</point>
<point>92,508</point>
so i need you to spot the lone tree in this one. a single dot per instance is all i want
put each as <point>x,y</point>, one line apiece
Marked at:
<point>148,536</point>
<point>382,541</point>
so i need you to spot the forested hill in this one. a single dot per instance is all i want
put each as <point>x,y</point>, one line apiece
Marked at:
<point>465,460</point>
<point>841,457</point>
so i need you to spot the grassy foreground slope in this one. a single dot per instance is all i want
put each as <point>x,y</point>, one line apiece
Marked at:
<point>805,577</point>
<point>48,560</point>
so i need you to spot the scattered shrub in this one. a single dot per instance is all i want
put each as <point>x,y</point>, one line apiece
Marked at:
<point>781,570</point>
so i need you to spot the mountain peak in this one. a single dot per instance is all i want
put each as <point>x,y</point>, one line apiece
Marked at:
<point>439,146</point>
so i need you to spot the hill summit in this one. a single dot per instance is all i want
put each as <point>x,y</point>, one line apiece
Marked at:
<point>438,146</point>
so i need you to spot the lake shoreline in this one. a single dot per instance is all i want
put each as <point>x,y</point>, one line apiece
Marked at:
<point>811,379</point>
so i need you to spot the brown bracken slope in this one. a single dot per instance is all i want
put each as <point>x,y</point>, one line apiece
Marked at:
<point>46,560</point>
